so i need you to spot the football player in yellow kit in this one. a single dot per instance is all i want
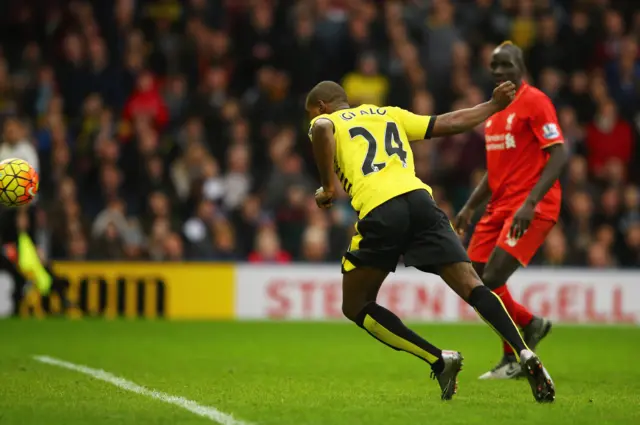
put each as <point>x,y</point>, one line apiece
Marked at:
<point>368,148</point>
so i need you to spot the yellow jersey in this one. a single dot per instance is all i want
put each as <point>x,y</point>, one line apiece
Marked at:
<point>373,158</point>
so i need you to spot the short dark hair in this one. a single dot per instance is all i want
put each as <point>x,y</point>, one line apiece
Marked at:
<point>328,92</point>
<point>516,52</point>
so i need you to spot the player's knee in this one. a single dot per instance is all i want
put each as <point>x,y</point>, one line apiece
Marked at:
<point>478,267</point>
<point>351,310</point>
<point>467,288</point>
<point>461,277</point>
<point>352,307</point>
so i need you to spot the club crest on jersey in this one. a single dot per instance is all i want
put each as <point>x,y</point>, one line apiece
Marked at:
<point>550,131</point>
<point>489,123</point>
<point>510,119</point>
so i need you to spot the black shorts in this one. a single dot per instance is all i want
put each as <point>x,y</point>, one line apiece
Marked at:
<point>410,225</point>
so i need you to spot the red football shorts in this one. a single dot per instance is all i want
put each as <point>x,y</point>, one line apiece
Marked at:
<point>493,230</point>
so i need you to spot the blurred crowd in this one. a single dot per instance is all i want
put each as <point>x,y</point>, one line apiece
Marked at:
<point>175,130</point>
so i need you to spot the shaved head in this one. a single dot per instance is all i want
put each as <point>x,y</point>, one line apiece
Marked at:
<point>514,51</point>
<point>325,98</point>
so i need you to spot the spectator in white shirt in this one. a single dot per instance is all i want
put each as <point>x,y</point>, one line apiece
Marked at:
<point>16,145</point>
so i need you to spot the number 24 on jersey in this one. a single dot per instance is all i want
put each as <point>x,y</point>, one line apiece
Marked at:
<point>392,146</point>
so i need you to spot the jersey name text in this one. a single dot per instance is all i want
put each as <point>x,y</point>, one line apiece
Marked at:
<point>349,115</point>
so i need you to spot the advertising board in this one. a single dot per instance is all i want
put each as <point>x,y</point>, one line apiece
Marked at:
<point>314,293</point>
<point>148,290</point>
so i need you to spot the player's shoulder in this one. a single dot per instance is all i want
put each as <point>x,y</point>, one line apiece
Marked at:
<point>324,119</point>
<point>533,102</point>
<point>534,94</point>
<point>320,118</point>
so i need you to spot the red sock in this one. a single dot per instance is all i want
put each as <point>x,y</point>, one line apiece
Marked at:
<point>510,305</point>
<point>523,314</point>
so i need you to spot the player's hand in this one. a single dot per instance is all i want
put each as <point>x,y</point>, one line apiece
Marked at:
<point>462,220</point>
<point>324,198</point>
<point>522,220</point>
<point>504,94</point>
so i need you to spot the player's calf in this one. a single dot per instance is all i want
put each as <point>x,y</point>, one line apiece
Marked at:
<point>387,328</point>
<point>499,268</point>
<point>359,292</point>
<point>463,279</point>
<point>360,307</point>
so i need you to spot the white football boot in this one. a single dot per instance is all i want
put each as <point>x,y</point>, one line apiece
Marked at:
<point>542,385</point>
<point>448,378</point>
<point>508,368</point>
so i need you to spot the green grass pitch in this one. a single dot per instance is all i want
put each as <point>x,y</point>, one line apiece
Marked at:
<point>302,374</point>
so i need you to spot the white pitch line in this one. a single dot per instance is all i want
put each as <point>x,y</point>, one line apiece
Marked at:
<point>190,405</point>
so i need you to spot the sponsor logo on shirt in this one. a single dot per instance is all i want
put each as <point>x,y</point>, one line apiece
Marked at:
<point>500,142</point>
<point>550,131</point>
<point>492,138</point>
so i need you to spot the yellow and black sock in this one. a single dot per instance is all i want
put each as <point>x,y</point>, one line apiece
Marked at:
<point>489,306</point>
<point>387,328</point>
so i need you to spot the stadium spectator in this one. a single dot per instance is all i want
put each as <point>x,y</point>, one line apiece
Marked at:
<point>631,254</point>
<point>145,103</point>
<point>366,85</point>
<point>267,247</point>
<point>555,250</point>
<point>608,138</point>
<point>178,132</point>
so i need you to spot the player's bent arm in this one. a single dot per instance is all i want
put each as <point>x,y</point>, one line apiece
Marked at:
<point>323,143</point>
<point>463,120</point>
<point>558,157</point>
<point>481,193</point>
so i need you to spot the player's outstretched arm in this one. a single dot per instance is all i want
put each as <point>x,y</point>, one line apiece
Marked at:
<point>480,194</point>
<point>466,119</point>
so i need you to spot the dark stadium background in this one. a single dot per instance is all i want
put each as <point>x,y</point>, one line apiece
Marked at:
<point>175,130</point>
<point>176,170</point>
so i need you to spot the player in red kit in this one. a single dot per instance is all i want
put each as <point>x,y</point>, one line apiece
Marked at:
<point>525,156</point>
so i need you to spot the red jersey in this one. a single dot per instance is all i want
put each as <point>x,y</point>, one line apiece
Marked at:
<point>515,140</point>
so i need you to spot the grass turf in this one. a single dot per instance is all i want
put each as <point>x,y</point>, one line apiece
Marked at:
<point>302,374</point>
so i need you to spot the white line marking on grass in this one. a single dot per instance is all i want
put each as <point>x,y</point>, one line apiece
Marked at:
<point>190,405</point>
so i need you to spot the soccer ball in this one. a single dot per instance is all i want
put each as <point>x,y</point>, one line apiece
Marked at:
<point>19,182</point>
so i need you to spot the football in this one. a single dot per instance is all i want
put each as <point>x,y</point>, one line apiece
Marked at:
<point>18,182</point>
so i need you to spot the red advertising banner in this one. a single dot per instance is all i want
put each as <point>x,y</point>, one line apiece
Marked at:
<point>314,293</point>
